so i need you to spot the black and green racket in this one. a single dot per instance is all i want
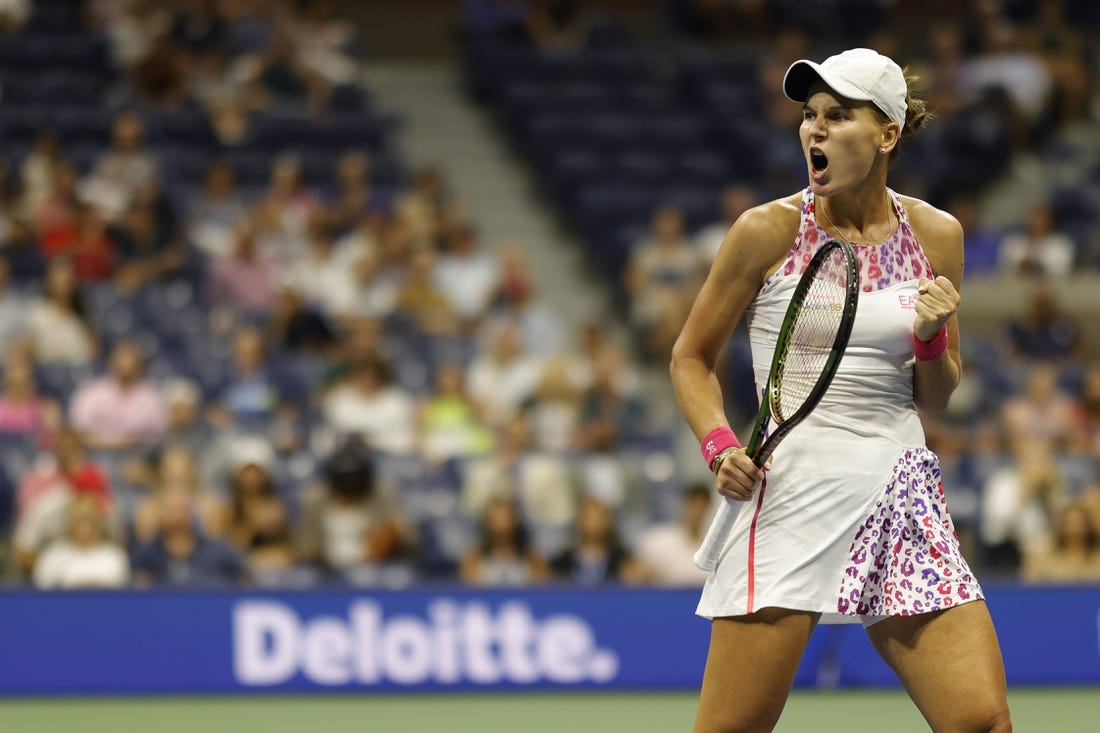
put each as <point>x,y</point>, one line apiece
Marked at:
<point>808,350</point>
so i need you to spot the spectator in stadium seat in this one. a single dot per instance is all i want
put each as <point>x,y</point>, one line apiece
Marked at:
<point>353,196</point>
<point>423,300</point>
<point>539,482</point>
<point>349,520</point>
<point>287,206</point>
<point>175,468</point>
<point>250,396</point>
<point>467,275</point>
<point>57,323</point>
<point>1044,331</point>
<point>86,241</point>
<point>46,491</point>
<point>38,172</point>
<point>247,278</point>
<point>666,550</point>
<point>185,432</point>
<point>503,555</point>
<point>57,208</point>
<point>328,44</point>
<point>1043,410</point>
<point>368,404</point>
<point>214,211</point>
<point>23,411</point>
<point>596,556</point>
<point>295,326</point>
<point>282,81</point>
<point>424,205</point>
<point>448,422</point>
<point>122,409</point>
<point>147,242</point>
<point>1040,249</point>
<point>322,277</point>
<point>736,200</point>
<point>1073,557</point>
<point>554,410</point>
<point>181,553</point>
<point>85,557</point>
<point>661,279</point>
<point>375,293</point>
<point>504,376</point>
<point>609,417</point>
<point>541,327</point>
<point>1018,503</point>
<point>123,171</point>
<point>257,520</point>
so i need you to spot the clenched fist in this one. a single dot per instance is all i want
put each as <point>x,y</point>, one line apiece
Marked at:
<point>937,301</point>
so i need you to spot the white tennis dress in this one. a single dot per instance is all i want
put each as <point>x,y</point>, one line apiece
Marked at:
<point>851,521</point>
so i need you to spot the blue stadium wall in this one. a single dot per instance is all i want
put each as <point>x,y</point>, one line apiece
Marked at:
<point>438,640</point>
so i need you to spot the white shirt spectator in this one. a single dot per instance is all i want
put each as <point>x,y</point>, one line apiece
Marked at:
<point>501,387</point>
<point>1052,254</point>
<point>386,419</point>
<point>323,280</point>
<point>667,551</point>
<point>467,277</point>
<point>58,336</point>
<point>65,564</point>
<point>1009,515</point>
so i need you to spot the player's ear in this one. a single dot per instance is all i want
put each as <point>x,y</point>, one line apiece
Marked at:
<point>891,134</point>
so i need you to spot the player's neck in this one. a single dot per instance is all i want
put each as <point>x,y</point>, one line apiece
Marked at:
<point>857,209</point>
<point>859,217</point>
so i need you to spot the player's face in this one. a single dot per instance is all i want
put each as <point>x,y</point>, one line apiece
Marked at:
<point>841,139</point>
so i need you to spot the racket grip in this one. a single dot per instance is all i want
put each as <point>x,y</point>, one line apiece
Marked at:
<point>706,557</point>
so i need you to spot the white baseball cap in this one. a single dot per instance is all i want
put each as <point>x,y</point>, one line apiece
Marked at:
<point>858,73</point>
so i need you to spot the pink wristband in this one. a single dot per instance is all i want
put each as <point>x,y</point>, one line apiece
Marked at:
<point>929,350</point>
<point>718,440</point>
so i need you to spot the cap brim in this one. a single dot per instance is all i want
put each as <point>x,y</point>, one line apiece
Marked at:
<point>801,76</point>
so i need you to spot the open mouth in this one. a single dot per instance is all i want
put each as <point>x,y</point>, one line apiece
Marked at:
<point>818,161</point>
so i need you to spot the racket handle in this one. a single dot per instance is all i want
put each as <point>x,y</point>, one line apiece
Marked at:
<point>706,557</point>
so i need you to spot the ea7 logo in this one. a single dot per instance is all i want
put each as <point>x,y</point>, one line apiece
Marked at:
<point>908,302</point>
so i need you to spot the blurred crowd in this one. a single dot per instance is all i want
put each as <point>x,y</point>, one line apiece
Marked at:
<point>315,375</point>
<point>243,345</point>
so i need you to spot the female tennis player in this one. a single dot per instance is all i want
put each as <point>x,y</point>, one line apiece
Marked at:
<point>849,523</point>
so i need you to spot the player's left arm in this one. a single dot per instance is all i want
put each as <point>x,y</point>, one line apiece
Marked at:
<point>937,305</point>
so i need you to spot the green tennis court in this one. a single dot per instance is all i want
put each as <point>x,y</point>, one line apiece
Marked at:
<point>1055,710</point>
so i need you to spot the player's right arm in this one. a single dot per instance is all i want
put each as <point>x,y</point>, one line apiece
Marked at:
<point>754,246</point>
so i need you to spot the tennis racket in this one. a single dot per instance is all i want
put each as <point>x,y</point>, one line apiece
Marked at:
<point>808,350</point>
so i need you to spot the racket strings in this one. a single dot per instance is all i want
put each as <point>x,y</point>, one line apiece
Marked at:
<point>812,337</point>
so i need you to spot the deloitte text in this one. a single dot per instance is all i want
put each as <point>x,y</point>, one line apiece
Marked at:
<point>451,643</point>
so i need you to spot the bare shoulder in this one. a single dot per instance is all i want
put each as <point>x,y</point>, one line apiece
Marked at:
<point>762,236</point>
<point>940,235</point>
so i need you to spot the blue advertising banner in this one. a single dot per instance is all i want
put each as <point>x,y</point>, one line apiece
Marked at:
<point>159,642</point>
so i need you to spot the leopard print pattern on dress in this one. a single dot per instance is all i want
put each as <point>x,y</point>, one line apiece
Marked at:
<point>898,259</point>
<point>904,559</point>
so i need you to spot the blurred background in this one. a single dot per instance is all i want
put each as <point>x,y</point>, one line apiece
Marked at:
<point>379,296</point>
